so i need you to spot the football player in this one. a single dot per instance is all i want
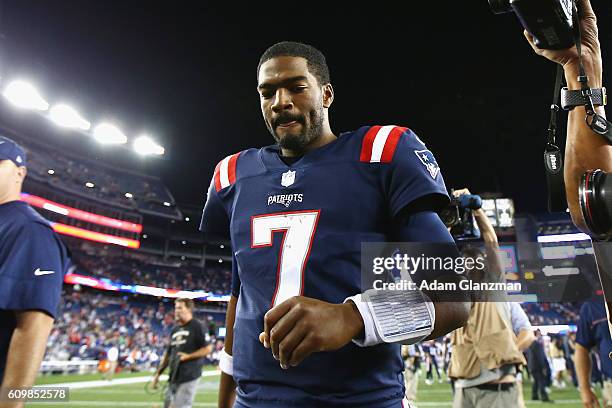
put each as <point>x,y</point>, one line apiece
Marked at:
<point>297,213</point>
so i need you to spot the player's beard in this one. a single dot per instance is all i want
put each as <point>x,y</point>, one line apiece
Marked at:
<point>311,131</point>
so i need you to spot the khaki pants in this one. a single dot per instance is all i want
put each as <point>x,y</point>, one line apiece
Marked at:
<point>607,394</point>
<point>477,398</point>
<point>412,381</point>
<point>112,367</point>
<point>519,389</point>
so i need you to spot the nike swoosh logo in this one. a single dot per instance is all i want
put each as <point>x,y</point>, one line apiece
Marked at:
<point>38,272</point>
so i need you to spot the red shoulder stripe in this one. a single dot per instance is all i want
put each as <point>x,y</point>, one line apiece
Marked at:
<point>391,144</point>
<point>368,143</point>
<point>218,177</point>
<point>225,172</point>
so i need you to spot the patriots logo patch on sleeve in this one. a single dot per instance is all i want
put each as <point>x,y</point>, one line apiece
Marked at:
<point>429,161</point>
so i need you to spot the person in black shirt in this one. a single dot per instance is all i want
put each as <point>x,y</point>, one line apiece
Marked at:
<point>185,355</point>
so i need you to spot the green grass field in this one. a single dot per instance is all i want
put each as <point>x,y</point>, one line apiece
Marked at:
<point>133,395</point>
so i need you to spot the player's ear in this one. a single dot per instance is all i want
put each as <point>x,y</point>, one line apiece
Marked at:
<point>22,172</point>
<point>328,95</point>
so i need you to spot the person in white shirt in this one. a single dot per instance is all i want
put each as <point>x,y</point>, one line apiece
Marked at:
<point>112,356</point>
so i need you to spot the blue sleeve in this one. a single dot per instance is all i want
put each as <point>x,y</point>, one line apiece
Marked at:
<point>215,221</point>
<point>585,334</point>
<point>424,227</point>
<point>414,175</point>
<point>235,278</point>
<point>427,231</point>
<point>33,279</point>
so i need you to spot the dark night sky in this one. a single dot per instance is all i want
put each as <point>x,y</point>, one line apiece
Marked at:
<point>464,79</point>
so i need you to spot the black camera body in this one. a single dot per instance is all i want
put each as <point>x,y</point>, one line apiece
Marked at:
<point>549,21</point>
<point>459,218</point>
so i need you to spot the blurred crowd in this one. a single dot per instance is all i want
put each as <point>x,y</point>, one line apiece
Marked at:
<point>131,267</point>
<point>91,324</point>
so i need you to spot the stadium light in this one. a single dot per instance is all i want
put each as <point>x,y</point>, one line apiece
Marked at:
<point>66,116</point>
<point>144,145</point>
<point>109,134</point>
<point>24,95</point>
<point>89,185</point>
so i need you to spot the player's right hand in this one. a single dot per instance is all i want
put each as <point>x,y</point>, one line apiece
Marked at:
<point>301,326</point>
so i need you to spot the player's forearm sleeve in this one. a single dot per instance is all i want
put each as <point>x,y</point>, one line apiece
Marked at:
<point>419,227</point>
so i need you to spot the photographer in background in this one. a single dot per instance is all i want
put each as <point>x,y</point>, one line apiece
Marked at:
<point>584,150</point>
<point>486,351</point>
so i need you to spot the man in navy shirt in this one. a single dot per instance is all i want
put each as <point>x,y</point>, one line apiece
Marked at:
<point>593,333</point>
<point>33,262</point>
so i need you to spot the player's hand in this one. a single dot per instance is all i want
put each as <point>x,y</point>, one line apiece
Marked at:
<point>301,326</point>
<point>589,399</point>
<point>182,356</point>
<point>591,50</point>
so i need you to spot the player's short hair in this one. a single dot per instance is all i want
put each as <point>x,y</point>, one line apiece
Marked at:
<point>317,65</point>
<point>188,303</point>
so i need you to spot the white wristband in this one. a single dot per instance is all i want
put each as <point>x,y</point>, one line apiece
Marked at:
<point>226,363</point>
<point>370,337</point>
<point>375,329</point>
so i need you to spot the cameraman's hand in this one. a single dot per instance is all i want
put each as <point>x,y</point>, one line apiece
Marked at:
<point>155,382</point>
<point>460,192</point>
<point>591,50</point>
<point>484,224</point>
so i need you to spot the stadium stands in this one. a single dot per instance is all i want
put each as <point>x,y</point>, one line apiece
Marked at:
<point>130,267</point>
<point>70,173</point>
<point>552,313</point>
<point>90,321</point>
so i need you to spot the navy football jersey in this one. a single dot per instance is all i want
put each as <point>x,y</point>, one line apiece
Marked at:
<point>33,262</point>
<point>297,230</point>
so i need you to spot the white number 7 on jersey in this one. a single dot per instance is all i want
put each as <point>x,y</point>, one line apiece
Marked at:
<point>298,228</point>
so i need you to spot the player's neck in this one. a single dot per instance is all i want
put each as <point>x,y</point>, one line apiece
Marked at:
<point>9,197</point>
<point>327,136</point>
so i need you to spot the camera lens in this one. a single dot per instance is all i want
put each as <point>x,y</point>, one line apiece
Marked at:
<point>595,192</point>
<point>450,216</point>
<point>500,6</point>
